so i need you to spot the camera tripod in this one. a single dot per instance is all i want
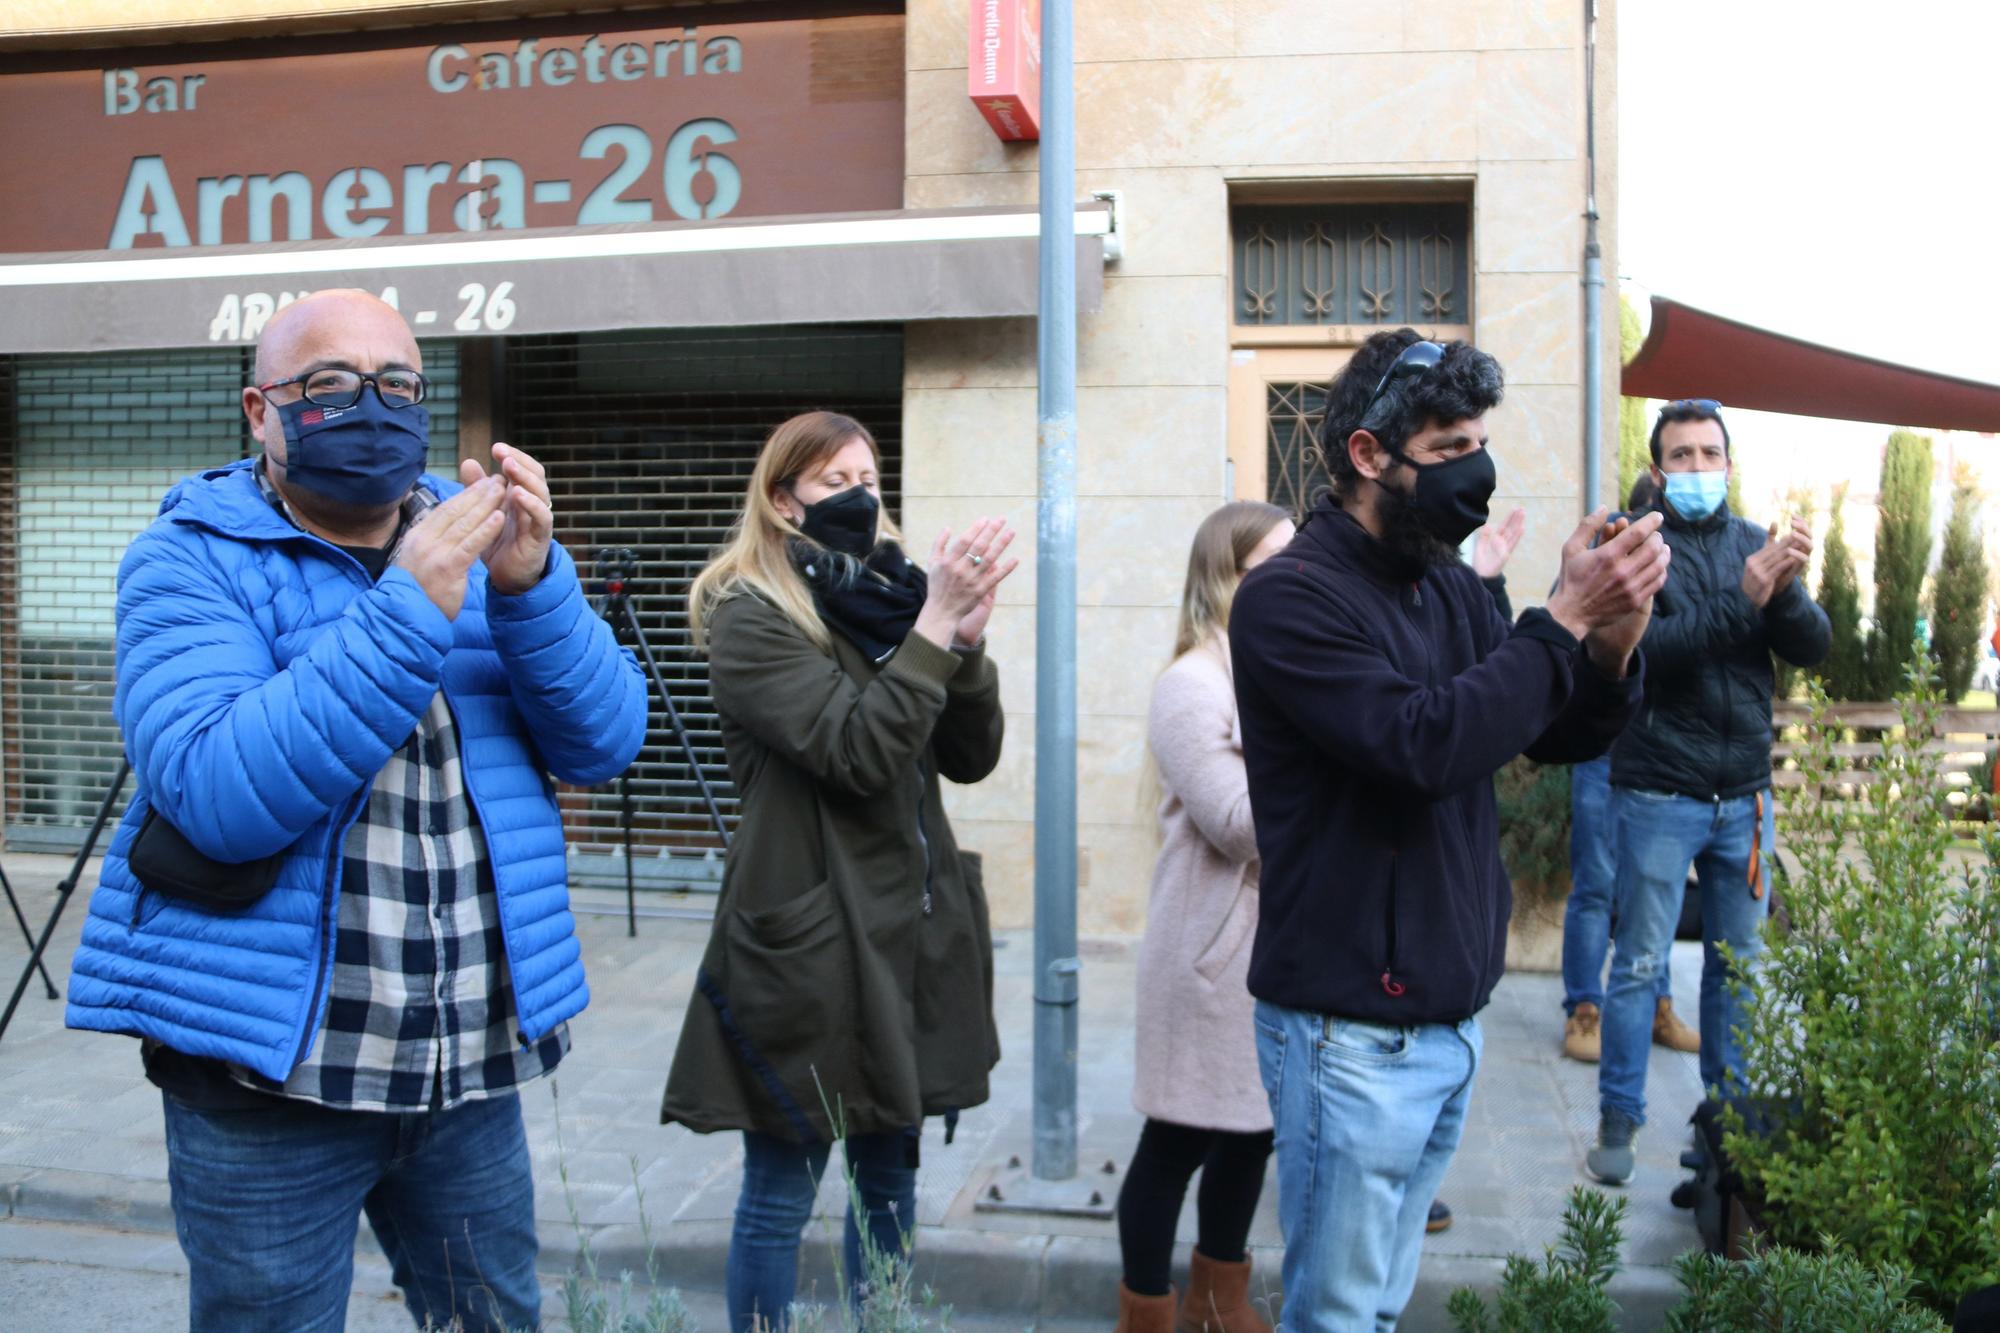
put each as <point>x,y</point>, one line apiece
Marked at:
<point>616,568</point>
<point>64,889</point>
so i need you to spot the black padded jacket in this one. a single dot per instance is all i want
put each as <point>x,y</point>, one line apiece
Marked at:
<point>1704,729</point>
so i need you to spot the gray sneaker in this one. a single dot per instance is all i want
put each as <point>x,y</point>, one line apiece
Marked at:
<point>1613,1157</point>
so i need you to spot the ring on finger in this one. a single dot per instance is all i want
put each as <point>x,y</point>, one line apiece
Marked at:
<point>977,560</point>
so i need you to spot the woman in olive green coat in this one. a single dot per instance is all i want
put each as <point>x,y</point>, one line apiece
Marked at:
<point>847,986</point>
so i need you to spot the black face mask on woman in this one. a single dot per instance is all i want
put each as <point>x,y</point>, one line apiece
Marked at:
<point>844,522</point>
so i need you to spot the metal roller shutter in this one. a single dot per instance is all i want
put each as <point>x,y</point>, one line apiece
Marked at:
<point>88,445</point>
<point>649,438</point>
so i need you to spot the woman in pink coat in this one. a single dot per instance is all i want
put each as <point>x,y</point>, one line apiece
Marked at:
<point>1197,1081</point>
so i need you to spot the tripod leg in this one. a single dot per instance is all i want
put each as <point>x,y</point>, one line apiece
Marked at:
<point>27,935</point>
<point>631,896</point>
<point>65,889</point>
<point>674,718</point>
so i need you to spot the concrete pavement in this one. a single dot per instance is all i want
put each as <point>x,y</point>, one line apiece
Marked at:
<point>81,1142</point>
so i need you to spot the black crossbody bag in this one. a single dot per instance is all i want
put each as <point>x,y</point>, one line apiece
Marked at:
<point>164,861</point>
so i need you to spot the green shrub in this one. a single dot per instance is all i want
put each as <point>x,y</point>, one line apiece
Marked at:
<point>1784,1289</point>
<point>1565,1292</point>
<point>1778,1289</point>
<point>1870,1049</point>
<point>1534,824</point>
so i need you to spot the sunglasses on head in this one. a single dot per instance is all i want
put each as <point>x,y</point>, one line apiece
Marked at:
<point>1414,360</point>
<point>1698,404</point>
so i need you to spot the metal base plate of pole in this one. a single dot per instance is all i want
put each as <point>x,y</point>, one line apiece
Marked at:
<point>1014,1188</point>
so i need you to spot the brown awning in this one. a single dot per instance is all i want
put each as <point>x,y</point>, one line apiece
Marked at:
<point>1691,353</point>
<point>906,265</point>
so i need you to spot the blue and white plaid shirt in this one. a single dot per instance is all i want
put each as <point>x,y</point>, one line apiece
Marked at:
<point>420,1013</point>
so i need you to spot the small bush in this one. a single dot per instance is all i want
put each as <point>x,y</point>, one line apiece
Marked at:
<point>1779,1289</point>
<point>1870,1055</point>
<point>1565,1293</point>
<point>1784,1289</point>
<point>1534,825</point>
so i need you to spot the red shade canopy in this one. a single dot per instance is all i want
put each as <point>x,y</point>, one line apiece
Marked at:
<point>1690,353</point>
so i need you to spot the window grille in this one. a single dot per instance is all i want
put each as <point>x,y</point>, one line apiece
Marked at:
<point>1351,264</point>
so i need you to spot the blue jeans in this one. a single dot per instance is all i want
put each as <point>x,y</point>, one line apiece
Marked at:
<point>780,1182</point>
<point>266,1201</point>
<point>1593,869</point>
<point>1659,835</point>
<point>1367,1120</point>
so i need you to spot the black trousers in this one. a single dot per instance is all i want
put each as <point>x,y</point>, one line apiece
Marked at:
<point>1149,1205</point>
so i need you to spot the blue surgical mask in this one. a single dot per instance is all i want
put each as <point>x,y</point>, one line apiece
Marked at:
<point>1696,495</point>
<point>366,455</point>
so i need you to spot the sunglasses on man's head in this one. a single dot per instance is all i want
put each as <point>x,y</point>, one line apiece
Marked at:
<point>1414,360</point>
<point>1698,404</point>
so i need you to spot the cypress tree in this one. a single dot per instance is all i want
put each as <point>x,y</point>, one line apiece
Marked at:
<point>1845,670</point>
<point>1958,594</point>
<point>1798,503</point>
<point>1634,431</point>
<point>1902,554</point>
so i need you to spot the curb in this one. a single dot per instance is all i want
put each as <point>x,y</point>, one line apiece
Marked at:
<point>978,1273</point>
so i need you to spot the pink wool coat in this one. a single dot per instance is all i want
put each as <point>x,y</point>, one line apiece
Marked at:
<point>1197,1045</point>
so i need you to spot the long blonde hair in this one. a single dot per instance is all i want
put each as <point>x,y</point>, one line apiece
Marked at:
<point>1222,543</point>
<point>756,558</point>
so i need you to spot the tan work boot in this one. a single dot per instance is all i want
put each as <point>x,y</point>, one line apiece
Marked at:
<point>1670,1032</point>
<point>1144,1314</point>
<point>1581,1038</point>
<point>1218,1298</point>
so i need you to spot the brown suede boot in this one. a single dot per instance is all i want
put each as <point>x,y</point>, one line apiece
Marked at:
<point>1144,1314</point>
<point>1581,1037</point>
<point>1218,1298</point>
<point>1670,1032</point>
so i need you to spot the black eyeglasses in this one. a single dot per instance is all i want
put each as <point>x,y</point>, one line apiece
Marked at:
<point>1698,404</point>
<point>1415,359</point>
<point>331,386</point>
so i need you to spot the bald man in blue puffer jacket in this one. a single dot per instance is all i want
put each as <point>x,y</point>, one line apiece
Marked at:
<point>336,910</point>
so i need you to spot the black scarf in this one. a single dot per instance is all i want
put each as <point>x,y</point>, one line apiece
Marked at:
<point>871,603</point>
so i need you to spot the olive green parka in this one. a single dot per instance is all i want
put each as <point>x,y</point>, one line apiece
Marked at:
<point>850,968</point>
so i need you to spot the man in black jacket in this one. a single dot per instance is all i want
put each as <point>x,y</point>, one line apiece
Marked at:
<point>1691,779</point>
<point>1379,691</point>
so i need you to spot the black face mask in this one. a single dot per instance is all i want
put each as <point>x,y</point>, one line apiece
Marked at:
<point>1449,498</point>
<point>846,522</point>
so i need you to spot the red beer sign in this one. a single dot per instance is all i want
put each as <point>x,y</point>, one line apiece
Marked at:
<point>1005,75</point>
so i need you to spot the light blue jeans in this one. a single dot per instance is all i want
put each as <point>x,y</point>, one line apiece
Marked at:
<point>1367,1120</point>
<point>1659,836</point>
<point>1593,869</point>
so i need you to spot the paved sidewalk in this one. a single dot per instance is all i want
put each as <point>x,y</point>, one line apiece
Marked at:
<point>80,1133</point>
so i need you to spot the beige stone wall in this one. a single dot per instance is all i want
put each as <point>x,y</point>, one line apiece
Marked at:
<point>1171,111</point>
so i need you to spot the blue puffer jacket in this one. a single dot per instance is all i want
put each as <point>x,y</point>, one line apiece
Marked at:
<point>263,682</point>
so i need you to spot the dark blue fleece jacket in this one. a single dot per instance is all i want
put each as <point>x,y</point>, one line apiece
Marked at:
<point>1377,699</point>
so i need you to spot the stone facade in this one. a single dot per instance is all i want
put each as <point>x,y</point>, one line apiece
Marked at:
<point>1483,95</point>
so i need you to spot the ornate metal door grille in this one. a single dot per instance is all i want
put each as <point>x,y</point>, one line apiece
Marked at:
<point>649,438</point>
<point>1294,472</point>
<point>1351,263</point>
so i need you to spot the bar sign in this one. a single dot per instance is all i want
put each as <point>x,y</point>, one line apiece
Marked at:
<point>1004,78</point>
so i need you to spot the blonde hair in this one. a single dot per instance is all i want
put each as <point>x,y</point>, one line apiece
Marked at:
<point>1222,543</point>
<point>756,558</point>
